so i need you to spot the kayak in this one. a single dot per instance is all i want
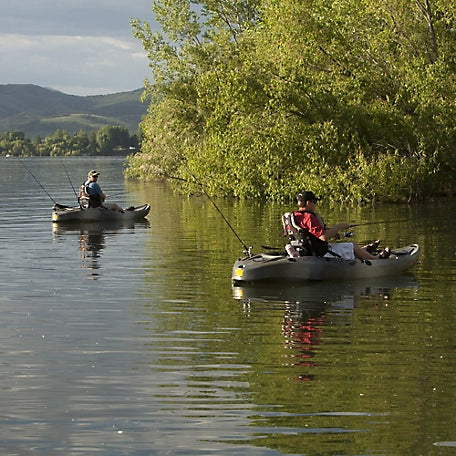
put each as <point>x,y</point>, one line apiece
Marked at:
<point>61,213</point>
<point>279,266</point>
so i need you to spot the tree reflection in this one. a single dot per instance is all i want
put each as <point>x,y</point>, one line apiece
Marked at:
<point>314,308</point>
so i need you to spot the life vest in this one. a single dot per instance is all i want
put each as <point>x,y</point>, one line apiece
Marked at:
<point>305,242</point>
<point>86,200</point>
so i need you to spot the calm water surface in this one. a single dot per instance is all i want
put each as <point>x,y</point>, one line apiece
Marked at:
<point>131,340</point>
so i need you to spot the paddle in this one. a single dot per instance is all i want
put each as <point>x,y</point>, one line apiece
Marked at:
<point>269,247</point>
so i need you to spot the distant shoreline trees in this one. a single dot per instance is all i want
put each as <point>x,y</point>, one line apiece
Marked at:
<point>108,140</point>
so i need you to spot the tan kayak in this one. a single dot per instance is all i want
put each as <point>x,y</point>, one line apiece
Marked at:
<point>62,213</point>
<point>279,266</point>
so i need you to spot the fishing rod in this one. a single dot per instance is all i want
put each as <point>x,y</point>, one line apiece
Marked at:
<point>346,234</point>
<point>71,183</point>
<point>38,182</point>
<point>246,249</point>
<point>377,223</point>
<point>115,194</point>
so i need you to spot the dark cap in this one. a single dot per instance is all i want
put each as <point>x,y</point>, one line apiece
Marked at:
<point>307,196</point>
<point>93,173</point>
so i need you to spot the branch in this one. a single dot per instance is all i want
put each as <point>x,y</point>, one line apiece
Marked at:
<point>425,8</point>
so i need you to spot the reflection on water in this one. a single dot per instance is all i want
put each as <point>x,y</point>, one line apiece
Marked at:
<point>92,239</point>
<point>313,307</point>
<point>323,293</point>
<point>159,355</point>
<point>91,243</point>
<point>331,370</point>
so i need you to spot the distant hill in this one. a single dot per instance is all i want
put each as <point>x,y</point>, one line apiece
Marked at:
<point>40,112</point>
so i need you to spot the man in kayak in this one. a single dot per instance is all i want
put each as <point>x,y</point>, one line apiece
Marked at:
<point>306,218</point>
<point>95,194</point>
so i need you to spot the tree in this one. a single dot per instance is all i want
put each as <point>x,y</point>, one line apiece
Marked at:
<point>16,144</point>
<point>110,137</point>
<point>187,60</point>
<point>262,98</point>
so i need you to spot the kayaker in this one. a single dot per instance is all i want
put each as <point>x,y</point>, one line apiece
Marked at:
<point>96,195</point>
<point>306,217</point>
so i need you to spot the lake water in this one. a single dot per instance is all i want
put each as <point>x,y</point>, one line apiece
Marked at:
<point>132,340</point>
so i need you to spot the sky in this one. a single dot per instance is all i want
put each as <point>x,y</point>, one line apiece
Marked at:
<point>79,47</point>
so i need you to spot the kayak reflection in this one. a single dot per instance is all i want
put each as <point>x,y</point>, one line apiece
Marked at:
<point>92,240</point>
<point>310,310</point>
<point>321,293</point>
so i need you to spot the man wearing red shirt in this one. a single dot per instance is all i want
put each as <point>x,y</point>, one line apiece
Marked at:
<point>306,217</point>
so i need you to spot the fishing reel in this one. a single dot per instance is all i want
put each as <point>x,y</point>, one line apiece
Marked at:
<point>248,251</point>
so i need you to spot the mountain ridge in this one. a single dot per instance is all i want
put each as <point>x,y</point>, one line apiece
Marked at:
<point>39,111</point>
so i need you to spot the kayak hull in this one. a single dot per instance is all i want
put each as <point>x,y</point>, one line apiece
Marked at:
<point>279,267</point>
<point>64,214</point>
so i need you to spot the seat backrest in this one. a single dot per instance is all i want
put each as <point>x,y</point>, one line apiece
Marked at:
<point>86,200</point>
<point>310,244</point>
<point>290,228</point>
<point>83,197</point>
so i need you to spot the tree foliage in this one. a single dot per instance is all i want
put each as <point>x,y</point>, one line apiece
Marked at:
<point>110,137</point>
<point>353,98</point>
<point>105,141</point>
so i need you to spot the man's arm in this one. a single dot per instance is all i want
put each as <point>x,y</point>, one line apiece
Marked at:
<point>333,232</point>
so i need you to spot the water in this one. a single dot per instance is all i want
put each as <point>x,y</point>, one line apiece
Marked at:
<point>131,340</point>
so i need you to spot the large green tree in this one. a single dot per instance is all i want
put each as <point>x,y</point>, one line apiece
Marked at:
<point>352,98</point>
